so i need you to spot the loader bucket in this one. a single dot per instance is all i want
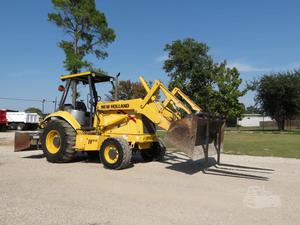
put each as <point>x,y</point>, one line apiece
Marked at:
<point>26,140</point>
<point>198,136</point>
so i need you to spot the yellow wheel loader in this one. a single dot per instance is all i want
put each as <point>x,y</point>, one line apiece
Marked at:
<point>115,130</point>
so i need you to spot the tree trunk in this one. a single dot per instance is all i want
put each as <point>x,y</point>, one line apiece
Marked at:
<point>75,70</point>
<point>74,93</point>
<point>280,123</point>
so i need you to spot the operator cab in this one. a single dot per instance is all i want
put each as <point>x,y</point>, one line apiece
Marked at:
<point>78,108</point>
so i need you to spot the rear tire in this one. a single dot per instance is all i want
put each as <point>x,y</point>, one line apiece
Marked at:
<point>58,141</point>
<point>115,153</point>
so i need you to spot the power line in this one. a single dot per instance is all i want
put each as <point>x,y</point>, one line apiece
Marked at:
<point>43,101</point>
<point>28,100</point>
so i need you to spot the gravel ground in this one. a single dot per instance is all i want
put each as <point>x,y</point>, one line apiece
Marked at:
<point>242,190</point>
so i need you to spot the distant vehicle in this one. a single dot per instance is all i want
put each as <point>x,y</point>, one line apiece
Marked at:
<point>3,120</point>
<point>22,120</point>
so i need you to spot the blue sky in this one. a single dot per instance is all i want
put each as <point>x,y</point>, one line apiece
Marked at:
<point>255,36</point>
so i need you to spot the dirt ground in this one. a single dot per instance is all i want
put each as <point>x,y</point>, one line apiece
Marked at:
<point>243,190</point>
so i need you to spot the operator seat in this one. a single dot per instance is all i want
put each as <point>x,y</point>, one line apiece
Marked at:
<point>81,106</point>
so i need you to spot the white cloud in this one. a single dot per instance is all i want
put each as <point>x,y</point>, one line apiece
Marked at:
<point>291,66</point>
<point>161,58</point>
<point>243,67</point>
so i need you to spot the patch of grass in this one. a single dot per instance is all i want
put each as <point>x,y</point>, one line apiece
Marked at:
<point>260,129</point>
<point>260,143</point>
<point>263,143</point>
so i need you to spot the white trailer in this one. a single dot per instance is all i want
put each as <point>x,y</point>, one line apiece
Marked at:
<point>22,120</point>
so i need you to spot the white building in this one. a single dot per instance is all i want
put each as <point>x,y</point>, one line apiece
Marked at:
<point>253,120</point>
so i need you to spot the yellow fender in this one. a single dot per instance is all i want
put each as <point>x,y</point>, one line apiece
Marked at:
<point>65,116</point>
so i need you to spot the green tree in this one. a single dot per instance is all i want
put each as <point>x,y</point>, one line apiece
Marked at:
<point>34,110</point>
<point>86,28</point>
<point>252,110</point>
<point>127,90</point>
<point>278,95</point>
<point>226,93</point>
<point>214,86</point>
<point>190,68</point>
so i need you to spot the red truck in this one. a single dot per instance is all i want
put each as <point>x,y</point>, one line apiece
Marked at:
<point>3,120</point>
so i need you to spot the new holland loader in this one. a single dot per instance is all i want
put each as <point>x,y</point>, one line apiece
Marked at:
<point>115,130</point>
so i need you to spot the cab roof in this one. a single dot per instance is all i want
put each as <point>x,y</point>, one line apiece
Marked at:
<point>83,77</point>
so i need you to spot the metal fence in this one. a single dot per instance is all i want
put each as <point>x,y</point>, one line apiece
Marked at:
<point>289,124</point>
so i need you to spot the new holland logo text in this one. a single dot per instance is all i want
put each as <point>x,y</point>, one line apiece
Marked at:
<point>115,106</point>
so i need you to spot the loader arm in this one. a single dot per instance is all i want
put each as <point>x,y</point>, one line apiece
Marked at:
<point>171,103</point>
<point>194,106</point>
<point>160,113</point>
<point>198,134</point>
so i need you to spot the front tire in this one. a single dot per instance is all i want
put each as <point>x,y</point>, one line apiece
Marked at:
<point>58,141</point>
<point>115,153</point>
<point>156,152</point>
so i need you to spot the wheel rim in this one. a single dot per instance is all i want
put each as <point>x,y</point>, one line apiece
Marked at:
<point>111,154</point>
<point>53,141</point>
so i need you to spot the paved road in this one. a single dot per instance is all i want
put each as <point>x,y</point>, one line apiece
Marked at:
<point>243,190</point>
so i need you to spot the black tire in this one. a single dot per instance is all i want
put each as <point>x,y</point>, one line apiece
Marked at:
<point>160,150</point>
<point>157,152</point>
<point>64,143</point>
<point>20,126</point>
<point>3,127</point>
<point>147,155</point>
<point>12,126</point>
<point>121,153</point>
<point>33,126</point>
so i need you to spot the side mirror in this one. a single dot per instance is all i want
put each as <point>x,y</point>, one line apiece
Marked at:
<point>61,88</point>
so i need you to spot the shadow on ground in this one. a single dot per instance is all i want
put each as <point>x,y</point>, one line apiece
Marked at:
<point>179,162</point>
<point>39,156</point>
<point>79,157</point>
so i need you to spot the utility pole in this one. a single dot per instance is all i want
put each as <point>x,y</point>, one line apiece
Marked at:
<point>117,87</point>
<point>43,105</point>
<point>263,121</point>
<point>55,103</point>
